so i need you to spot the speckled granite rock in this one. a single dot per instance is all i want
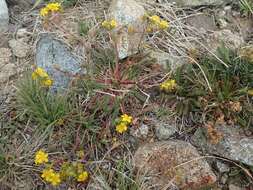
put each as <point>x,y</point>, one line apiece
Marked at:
<point>234,144</point>
<point>4,16</point>
<point>127,13</point>
<point>173,162</point>
<point>56,58</point>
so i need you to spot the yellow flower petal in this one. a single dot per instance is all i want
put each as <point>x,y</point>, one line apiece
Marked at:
<point>121,127</point>
<point>41,157</point>
<point>82,176</point>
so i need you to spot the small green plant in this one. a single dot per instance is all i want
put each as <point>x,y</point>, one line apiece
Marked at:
<point>39,103</point>
<point>219,96</point>
<point>246,7</point>
<point>83,28</point>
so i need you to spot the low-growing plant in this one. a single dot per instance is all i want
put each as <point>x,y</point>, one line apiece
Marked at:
<point>217,92</point>
<point>39,103</point>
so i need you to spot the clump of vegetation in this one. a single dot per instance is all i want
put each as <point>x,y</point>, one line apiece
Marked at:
<point>35,100</point>
<point>213,91</point>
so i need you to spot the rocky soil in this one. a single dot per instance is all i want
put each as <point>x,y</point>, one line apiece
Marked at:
<point>170,154</point>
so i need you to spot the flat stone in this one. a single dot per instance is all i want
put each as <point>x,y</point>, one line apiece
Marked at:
<point>127,13</point>
<point>140,132</point>
<point>19,48</point>
<point>168,61</point>
<point>235,187</point>
<point>202,21</point>
<point>4,16</point>
<point>164,131</point>
<point>7,71</point>
<point>193,3</point>
<point>222,167</point>
<point>56,58</point>
<point>234,144</point>
<point>173,163</point>
<point>231,40</point>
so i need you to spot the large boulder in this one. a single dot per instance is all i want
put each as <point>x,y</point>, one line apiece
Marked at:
<point>234,145</point>
<point>55,57</point>
<point>4,16</point>
<point>127,13</point>
<point>171,164</point>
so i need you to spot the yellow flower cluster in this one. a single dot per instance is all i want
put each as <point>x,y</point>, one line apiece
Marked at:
<point>168,86</point>
<point>50,8</point>
<point>124,121</point>
<point>41,157</point>
<point>68,169</point>
<point>49,175</point>
<point>43,77</point>
<point>109,25</point>
<point>156,23</point>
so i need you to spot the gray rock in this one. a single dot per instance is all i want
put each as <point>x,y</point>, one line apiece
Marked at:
<point>140,132</point>
<point>127,13</point>
<point>4,16</point>
<point>235,187</point>
<point>222,167</point>
<point>19,48</point>
<point>56,58</point>
<point>7,69</point>
<point>202,21</point>
<point>233,145</point>
<point>193,3</point>
<point>168,61</point>
<point>173,163</point>
<point>164,131</point>
<point>231,40</point>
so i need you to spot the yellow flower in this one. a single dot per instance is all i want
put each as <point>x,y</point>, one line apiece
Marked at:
<point>250,92</point>
<point>44,12</point>
<point>113,24</point>
<point>155,19</point>
<point>51,7</point>
<point>126,119</point>
<point>163,25</point>
<point>82,176</point>
<point>47,174</point>
<point>149,29</point>
<point>109,25</point>
<point>41,157</point>
<point>55,179</point>
<point>121,127</point>
<point>54,7</point>
<point>47,82</point>
<point>169,85</point>
<point>39,72</point>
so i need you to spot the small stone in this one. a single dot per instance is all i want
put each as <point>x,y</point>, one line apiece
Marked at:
<point>141,132</point>
<point>177,164</point>
<point>202,21</point>
<point>4,16</point>
<point>193,3</point>
<point>222,167</point>
<point>224,179</point>
<point>235,187</point>
<point>127,13</point>
<point>164,131</point>
<point>7,71</point>
<point>5,54</point>
<point>231,40</point>
<point>57,60</point>
<point>168,61</point>
<point>19,48</point>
